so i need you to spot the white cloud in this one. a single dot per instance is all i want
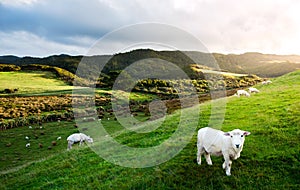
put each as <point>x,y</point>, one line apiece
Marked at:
<point>270,26</point>
<point>16,3</point>
<point>22,43</point>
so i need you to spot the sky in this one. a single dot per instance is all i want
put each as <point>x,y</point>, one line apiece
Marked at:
<point>41,28</point>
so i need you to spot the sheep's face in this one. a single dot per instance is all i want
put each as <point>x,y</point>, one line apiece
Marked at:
<point>237,138</point>
<point>90,140</point>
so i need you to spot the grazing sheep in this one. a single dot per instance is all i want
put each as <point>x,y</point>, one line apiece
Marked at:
<point>58,138</point>
<point>242,92</point>
<point>78,137</point>
<point>266,82</point>
<point>30,127</point>
<point>252,90</point>
<point>218,143</point>
<point>27,145</point>
<point>27,138</point>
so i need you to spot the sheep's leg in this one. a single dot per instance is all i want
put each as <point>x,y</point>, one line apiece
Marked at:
<point>237,156</point>
<point>208,159</point>
<point>80,142</point>
<point>70,144</point>
<point>227,165</point>
<point>199,153</point>
<point>224,164</point>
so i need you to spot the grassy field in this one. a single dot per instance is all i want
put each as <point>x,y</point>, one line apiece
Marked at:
<point>270,159</point>
<point>33,82</point>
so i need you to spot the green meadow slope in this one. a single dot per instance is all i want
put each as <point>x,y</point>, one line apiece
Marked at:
<point>270,158</point>
<point>32,82</point>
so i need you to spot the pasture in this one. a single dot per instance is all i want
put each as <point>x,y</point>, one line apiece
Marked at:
<point>270,158</point>
<point>33,83</point>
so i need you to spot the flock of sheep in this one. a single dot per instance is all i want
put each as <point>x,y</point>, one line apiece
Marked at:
<point>209,141</point>
<point>251,90</point>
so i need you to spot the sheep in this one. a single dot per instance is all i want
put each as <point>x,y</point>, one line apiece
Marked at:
<point>58,138</point>
<point>242,92</point>
<point>252,90</point>
<point>218,143</point>
<point>27,145</point>
<point>78,137</point>
<point>27,138</point>
<point>266,82</point>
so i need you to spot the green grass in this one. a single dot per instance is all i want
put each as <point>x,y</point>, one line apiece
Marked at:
<point>270,159</point>
<point>33,82</point>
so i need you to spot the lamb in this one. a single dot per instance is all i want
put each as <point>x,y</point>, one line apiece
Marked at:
<point>252,90</point>
<point>78,137</point>
<point>266,82</point>
<point>242,92</point>
<point>218,143</point>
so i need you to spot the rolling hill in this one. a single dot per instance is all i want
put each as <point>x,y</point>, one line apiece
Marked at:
<point>270,158</point>
<point>263,65</point>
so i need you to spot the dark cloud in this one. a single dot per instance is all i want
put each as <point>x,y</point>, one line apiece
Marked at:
<point>72,26</point>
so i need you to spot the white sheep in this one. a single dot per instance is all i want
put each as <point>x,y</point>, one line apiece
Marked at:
<point>58,138</point>
<point>266,82</point>
<point>27,138</point>
<point>78,137</point>
<point>242,92</point>
<point>252,90</point>
<point>218,143</point>
<point>27,145</point>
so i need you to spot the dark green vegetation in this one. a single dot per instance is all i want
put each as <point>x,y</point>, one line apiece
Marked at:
<point>270,159</point>
<point>263,65</point>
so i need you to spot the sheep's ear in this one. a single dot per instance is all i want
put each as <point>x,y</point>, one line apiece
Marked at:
<point>227,134</point>
<point>246,133</point>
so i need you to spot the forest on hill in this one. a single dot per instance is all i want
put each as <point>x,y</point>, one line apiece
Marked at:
<point>263,65</point>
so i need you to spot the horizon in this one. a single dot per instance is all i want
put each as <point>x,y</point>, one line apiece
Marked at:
<point>74,55</point>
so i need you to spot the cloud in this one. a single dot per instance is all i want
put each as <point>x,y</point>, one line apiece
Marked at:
<point>17,3</point>
<point>22,43</point>
<point>223,26</point>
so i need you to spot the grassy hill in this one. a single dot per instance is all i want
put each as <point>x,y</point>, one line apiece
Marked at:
<point>33,82</point>
<point>270,159</point>
<point>263,65</point>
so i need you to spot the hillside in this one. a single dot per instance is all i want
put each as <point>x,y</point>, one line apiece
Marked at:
<point>263,65</point>
<point>270,158</point>
<point>32,82</point>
